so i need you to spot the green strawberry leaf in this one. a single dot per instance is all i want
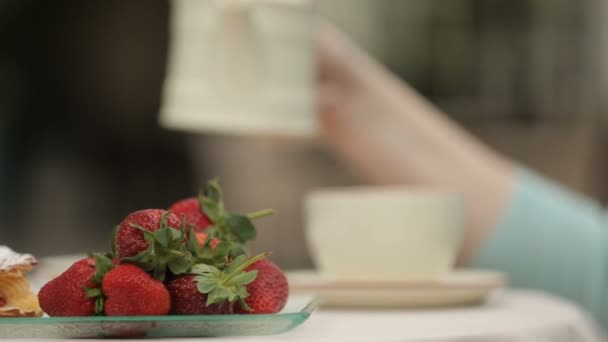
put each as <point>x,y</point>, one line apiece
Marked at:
<point>239,265</point>
<point>180,265</point>
<point>245,278</point>
<point>223,248</point>
<point>238,249</point>
<point>214,191</point>
<point>204,269</point>
<point>160,270</point>
<point>214,231</point>
<point>148,235</point>
<point>192,241</point>
<point>95,292</point>
<point>102,265</point>
<point>217,295</point>
<point>176,242</point>
<point>236,263</point>
<point>162,236</point>
<point>99,302</point>
<point>244,304</point>
<point>92,292</point>
<point>210,208</point>
<point>241,227</point>
<point>229,284</point>
<point>242,292</point>
<point>205,284</point>
<point>165,250</point>
<point>113,241</point>
<point>211,201</point>
<point>143,259</point>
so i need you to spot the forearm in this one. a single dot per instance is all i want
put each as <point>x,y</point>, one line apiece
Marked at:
<point>552,239</point>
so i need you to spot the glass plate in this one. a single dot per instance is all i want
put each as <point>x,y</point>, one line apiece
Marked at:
<point>297,310</point>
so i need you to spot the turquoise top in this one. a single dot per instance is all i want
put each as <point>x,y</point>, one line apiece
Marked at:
<point>555,240</point>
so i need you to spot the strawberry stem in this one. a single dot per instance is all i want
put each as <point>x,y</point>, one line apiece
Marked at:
<point>260,213</point>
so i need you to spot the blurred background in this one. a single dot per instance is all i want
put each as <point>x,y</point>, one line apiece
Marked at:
<point>80,146</point>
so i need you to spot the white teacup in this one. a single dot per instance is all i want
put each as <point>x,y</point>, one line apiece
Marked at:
<point>384,234</point>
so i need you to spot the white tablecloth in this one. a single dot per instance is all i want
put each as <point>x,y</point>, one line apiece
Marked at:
<point>511,316</point>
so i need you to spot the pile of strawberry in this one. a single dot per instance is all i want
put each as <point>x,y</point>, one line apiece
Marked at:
<point>188,260</point>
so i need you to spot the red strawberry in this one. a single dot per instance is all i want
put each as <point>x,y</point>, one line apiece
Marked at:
<point>269,291</point>
<point>130,291</point>
<point>130,240</point>
<point>66,295</point>
<point>210,290</point>
<point>191,209</point>
<point>187,300</point>
<point>209,251</point>
<point>207,212</point>
<point>202,238</point>
<point>154,240</point>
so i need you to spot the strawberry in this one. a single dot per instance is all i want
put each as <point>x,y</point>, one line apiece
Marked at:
<point>269,291</point>
<point>207,250</point>
<point>208,213</point>
<point>130,240</point>
<point>66,295</point>
<point>191,209</point>
<point>187,300</point>
<point>76,291</point>
<point>130,291</point>
<point>201,238</point>
<point>209,290</point>
<point>154,240</point>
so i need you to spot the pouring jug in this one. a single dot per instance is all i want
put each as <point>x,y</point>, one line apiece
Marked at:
<point>241,67</point>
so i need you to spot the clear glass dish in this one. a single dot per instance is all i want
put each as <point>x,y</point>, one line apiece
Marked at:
<point>297,310</point>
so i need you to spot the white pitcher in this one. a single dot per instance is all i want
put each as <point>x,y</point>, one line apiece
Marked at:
<point>241,67</point>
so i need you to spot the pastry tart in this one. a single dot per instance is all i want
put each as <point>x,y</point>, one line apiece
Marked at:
<point>16,297</point>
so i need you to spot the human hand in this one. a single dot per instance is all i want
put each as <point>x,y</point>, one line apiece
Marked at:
<point>364,109</point>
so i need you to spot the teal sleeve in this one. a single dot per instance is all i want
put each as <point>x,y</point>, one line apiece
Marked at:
<point>554,240</point>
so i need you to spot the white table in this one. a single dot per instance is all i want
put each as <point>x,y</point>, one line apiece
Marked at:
<point>508,316</point>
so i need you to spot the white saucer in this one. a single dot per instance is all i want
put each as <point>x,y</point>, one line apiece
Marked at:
<point>461,287</point>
